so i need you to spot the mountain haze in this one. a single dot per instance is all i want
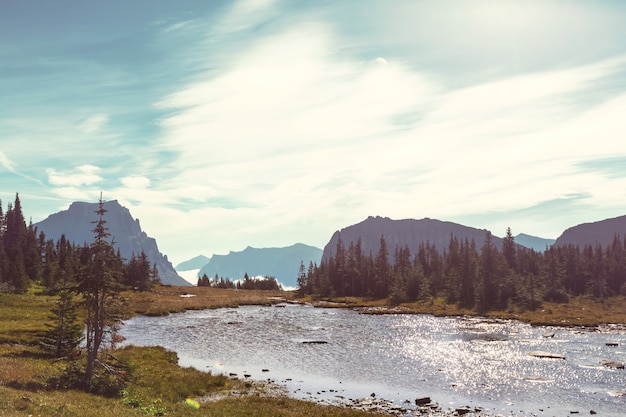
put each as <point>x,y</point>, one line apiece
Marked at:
<point>194,263</point>
<point>406,232</point>
<point>538,244</point>
<point>280,263</point>
<point>76,223</point>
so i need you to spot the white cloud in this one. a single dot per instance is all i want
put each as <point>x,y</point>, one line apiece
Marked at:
<point>177,26</point>
<point>7,163</point>
<point>244,14</point>
<point>307,139</point>
<point>134,182</point>
<point>79,176</point>
<point>94,123</point>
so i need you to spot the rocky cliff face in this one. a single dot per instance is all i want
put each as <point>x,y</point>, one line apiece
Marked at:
<point>280,263</point>
<point>400,233</point>
<point>77,225</point>
<point>601,232</point>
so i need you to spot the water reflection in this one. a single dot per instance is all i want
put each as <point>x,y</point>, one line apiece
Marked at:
<point>456,361</point>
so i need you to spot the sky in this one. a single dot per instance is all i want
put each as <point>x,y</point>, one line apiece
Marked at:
<point>226,124</point>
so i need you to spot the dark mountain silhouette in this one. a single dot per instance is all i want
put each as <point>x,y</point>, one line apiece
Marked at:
<point>601,232</point>
<point>400,233</point>
<point>77,225</point>
<point>280,263</point>
<point>538,244</point>
<point>193,263</point>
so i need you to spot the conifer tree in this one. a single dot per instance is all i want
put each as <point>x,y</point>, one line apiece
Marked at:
<point>14,239</point>
<point>302,279</point>
<point>383,273</point>
<point>508,250</point>
<point>99,286</point>
<point>62,338</point>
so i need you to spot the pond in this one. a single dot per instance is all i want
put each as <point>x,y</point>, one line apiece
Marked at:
<point>325,355</point>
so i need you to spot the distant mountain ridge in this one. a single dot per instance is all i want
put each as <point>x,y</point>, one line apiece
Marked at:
<point>405,232</point>
<point>538,244</point>
<point>601,232</point>
<point>196,262</point>
<point>280,263</point>
<point>76,223</point>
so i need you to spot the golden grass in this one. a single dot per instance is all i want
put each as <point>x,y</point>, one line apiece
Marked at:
<point>164,300</point>
<point>579,311</point>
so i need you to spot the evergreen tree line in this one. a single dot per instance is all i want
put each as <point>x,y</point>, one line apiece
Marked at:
<point>27,256</point>
<point>485,278</point>
<point>255,283</point>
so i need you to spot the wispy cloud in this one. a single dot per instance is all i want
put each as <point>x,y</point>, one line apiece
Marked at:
<point>84,175</point>
<point>312,115</point>
<point>8,164</point>
<point>94,123</point>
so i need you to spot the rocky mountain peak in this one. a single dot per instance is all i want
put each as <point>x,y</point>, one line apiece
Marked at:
<point>76,223</point>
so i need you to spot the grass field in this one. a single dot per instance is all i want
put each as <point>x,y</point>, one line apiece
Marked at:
<point>156,384</point>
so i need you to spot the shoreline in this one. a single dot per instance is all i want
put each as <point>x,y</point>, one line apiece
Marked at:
<point>578,312</point>
<point>375,307</point>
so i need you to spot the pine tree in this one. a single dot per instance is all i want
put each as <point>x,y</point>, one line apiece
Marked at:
<point>486,291</point>
<point>99,288</point>
<point>508,250</point>
<point>302,279</point>
<point>383,273</point>
<point>14,239</point>
<point>62,338</point>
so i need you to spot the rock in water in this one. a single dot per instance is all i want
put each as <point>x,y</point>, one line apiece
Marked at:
<point>545,355</point>
<point>611,364</point>
<point>422,401</point>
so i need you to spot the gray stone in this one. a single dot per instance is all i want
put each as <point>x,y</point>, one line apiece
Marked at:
<point>548,355</point>
<point>611,364</point>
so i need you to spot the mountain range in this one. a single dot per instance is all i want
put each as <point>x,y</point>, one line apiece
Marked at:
<point>401,233</point>
<point>283,263</point>
<point>538,244</point>
<point>76,223</point>
<point>280,263</point>
<point>596,233</point>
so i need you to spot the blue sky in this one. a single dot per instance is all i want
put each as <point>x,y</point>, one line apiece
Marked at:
<point>223,124</point>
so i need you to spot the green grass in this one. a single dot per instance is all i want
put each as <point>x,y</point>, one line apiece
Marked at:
<point>23,316</point>
<point>156,384</point>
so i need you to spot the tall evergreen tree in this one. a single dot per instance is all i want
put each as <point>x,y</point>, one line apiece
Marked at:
<point>62,338</point>
<point>509,251</point>
<point>99,288</point>
<point>486,291</point>
<point>302,279</point>
<point>383,273</point>
<point>14,239</point>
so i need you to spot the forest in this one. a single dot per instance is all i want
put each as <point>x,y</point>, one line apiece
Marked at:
<point>26,257</point>
<point>482,278</point>
<point>254,283</point>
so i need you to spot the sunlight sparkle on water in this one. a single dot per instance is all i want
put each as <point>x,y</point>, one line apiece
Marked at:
<point>219,366</point>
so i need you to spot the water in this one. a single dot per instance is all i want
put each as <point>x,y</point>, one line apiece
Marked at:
<point>455,361</point>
